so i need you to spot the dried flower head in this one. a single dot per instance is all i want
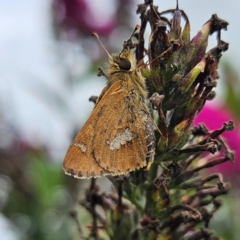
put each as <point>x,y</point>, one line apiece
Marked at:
<point>171,201</point>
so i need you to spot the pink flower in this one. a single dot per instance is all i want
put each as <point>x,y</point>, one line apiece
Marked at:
<point>77,15</point>
<point>214,117</point>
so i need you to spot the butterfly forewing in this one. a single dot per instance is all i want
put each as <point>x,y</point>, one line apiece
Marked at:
<point>79,160</point>
<point>121,145</point>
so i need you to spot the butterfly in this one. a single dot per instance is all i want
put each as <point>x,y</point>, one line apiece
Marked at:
<point>119,135</point>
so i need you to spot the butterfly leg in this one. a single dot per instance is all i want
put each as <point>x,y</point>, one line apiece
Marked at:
<point>156,101</point>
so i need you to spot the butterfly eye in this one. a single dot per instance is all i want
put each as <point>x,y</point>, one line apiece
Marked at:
<point>124,64</point>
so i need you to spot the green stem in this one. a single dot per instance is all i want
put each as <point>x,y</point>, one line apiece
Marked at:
<point>149,201</point>
<point>135,202</point>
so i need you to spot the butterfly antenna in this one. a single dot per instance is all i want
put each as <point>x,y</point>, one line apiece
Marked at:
<point>129,43</point>
<point>161,55</point>
<point>95,34</point>
<point>135,29</point>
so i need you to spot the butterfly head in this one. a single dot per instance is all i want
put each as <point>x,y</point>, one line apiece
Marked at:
<point>124,61</point>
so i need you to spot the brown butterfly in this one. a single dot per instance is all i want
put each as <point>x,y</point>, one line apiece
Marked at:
<point>119,136</point>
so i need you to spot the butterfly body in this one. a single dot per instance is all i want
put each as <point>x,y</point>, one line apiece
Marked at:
<point>119,136</point>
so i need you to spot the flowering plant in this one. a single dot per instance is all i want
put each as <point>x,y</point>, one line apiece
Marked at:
<point>171,201</point>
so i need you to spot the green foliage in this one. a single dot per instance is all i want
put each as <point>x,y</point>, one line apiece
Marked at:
<point>39,212</point>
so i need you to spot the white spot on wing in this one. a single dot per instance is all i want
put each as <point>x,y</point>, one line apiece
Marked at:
<point>82,147</point>
<point>115,143</point>
<point>128,135</point>
<point>121,139</point>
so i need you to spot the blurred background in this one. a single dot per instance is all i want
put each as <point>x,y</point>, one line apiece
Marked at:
<point>48,68</point>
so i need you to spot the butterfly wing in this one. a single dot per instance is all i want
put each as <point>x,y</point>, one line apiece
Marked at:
<point>79,160</point>
<point>124,133</point>
<point>117,138</point>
